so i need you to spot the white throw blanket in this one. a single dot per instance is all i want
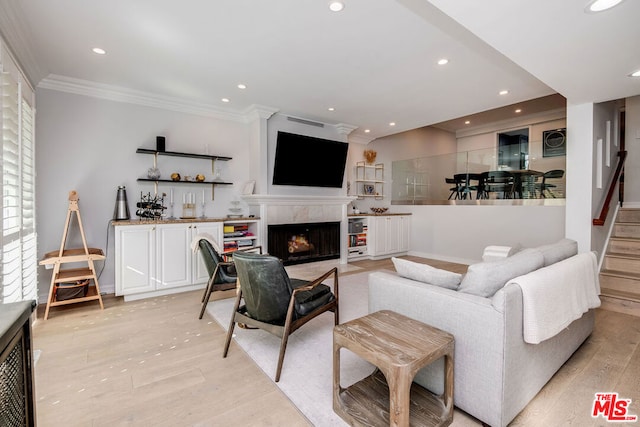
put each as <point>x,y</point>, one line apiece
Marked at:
<point>555,296</point>
<point>209,238</point>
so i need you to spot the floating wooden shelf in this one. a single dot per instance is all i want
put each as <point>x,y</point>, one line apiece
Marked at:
<point>177,154</point>
<point>185,182</point>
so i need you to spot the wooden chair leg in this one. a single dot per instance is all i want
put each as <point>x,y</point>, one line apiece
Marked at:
<point>283,347</point>
<point>207,296</point>
<point>229,336</point>
<point>204,295</point>
<point>232,324</point>
<point>208,290</point>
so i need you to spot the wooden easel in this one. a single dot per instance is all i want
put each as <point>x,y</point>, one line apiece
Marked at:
<point>63,256</point>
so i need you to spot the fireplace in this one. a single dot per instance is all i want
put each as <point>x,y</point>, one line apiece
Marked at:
<point>300,243</point>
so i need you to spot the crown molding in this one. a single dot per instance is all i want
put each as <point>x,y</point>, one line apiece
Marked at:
<point>361,139</point>
<point>131,96</point>
<point>344,128</point>
<point>14,31</point>
<point>255,112</point>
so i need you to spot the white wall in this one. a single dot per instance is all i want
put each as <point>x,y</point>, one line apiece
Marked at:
<point>423,142</point>
<point>603,112</point>
<point>486,138</point>
<point>89,145</point>
<point>586,124</point>
<point>279,122</point>
<point>460,233</point>
<point>632,145</point>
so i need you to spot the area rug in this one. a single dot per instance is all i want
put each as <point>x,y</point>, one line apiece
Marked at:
<point>307,372</point>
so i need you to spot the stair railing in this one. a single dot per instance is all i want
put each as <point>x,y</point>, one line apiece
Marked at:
<point>618,176</point>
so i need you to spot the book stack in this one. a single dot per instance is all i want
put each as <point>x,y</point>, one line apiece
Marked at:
<point>236,236</point>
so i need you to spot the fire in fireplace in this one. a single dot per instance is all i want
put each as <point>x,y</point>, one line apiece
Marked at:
<point>299,243</point>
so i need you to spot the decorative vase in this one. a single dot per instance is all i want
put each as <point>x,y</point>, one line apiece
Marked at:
<point>370,156</point>
<point>153,173</point>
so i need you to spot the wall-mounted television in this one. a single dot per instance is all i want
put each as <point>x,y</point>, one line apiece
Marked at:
<point>309,161</point>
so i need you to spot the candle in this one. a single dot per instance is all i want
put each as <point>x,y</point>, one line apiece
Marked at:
<point>184,198</point>
<point>171,196</point>
<point>203,196</point>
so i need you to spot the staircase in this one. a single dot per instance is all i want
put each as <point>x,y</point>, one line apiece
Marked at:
<point>620,272</point>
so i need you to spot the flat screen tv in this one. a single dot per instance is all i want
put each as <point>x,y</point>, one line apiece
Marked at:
<point>309,161</point>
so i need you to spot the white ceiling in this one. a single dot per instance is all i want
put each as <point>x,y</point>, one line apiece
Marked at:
<point>374,62</point>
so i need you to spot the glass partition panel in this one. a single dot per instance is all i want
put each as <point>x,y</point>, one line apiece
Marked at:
<point>476,175</point>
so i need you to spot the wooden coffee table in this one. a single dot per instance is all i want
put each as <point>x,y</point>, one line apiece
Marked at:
<point>399,347</point>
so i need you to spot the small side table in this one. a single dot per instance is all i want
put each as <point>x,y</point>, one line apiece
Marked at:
<point>399,347</point>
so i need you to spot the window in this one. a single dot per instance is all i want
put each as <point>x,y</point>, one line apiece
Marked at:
<point>513,149</point>
<point>18,266</point>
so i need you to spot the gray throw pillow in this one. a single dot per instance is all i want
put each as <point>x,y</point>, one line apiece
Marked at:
<point>562,249</point>
<point>486,278</point>
<point>427,274</point>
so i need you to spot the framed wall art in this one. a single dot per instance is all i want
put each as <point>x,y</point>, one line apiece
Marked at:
<point>554,143</point>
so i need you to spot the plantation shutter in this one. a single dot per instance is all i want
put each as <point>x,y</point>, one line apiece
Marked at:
<point>18,267</point>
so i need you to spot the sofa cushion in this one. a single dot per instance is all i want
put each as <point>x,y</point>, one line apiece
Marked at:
<point>427,274</point>
<point>486,278</point>
<point>562,249</point>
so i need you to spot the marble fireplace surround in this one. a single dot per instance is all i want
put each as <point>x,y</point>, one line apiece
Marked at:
<point>277,209</point>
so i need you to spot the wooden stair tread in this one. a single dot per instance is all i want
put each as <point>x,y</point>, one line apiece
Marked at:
<point>624,239</point>
<point>613,293</point>
<point>620,273</point>
<point>623,255</point>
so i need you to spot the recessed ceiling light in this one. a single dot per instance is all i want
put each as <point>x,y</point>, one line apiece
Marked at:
<point>518,111</point>
<point>443,61</point>
<point>467,122</point>
<point>99,51</point>
<point>503,92</point>
<point>331,109</point>
<point>367,130</point>
<point>392,124</point>
<point>225,100</point>
<point>600,5</point>
<point>635,74</point>
<point>336,6</point>
<point>242,86</point>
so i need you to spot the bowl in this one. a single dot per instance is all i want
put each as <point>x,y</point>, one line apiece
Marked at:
<point>379,211</point>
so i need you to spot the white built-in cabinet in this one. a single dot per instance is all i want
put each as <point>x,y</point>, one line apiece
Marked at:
<point>157,259</point>
<point>388,235</point>
<point>378,236</point>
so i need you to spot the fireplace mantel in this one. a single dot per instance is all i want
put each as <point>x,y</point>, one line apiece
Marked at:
<point>268,199</point>
<point>296,209</point>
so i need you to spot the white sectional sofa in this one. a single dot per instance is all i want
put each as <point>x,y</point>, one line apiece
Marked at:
<point>496,371</point>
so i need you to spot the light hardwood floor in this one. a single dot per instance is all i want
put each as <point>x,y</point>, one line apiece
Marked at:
<point>153,363</point>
